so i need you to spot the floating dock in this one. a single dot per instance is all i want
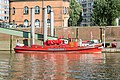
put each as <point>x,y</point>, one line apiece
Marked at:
<point>111,50</point>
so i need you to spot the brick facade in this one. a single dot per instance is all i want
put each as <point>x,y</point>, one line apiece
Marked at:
<point>59,7</point>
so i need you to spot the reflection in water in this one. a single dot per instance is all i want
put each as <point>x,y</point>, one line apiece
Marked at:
<point>59,66</point>
<point>5,65</point>
<point>55,66</point>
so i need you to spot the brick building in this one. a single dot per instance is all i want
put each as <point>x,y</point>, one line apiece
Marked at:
<point>4,10</point>
<point>20,11</point>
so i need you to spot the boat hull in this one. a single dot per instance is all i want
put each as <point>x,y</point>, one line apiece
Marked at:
<point>40,49</point>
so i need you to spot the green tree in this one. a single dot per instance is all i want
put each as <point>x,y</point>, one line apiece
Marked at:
<point>105,12</point>
<point>75,11</point>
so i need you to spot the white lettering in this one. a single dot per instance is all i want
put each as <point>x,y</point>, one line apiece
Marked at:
<point>56,49</point>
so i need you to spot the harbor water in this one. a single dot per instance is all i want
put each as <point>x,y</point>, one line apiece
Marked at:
<point>59,66</point>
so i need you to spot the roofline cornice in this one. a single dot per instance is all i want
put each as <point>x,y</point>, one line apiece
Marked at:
<point>35,0</point>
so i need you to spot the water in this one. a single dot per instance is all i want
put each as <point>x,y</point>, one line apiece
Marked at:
<point>59,66</point>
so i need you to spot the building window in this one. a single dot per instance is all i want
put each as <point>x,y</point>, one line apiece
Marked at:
<point>84,5</point>
<point>26,23</point>
<point>37,10</point>
<point>13,11</point>
<point>119,22</point>
<point>37,23</point>
<point>13,21</point>
<point>48,9</point>
<point>89,4</point>
<point>5,1</point>
<point>65,10</point>
<point>84,24</point>
<point>48,22</point>
<point>5,18</point>
<point>85,15</point>
<point>5,12</point>
<point>26,10</point>
<point>90,9</point>
<point>84,10</point>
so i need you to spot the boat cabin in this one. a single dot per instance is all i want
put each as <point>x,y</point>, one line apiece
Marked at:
<point>54,42</point>
<point>72,42</point>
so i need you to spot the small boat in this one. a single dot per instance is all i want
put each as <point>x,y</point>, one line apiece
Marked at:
<point>58,45</point>
<point>92,43</point>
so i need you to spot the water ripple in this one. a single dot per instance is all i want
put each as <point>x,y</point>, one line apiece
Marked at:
<point>60,66</point>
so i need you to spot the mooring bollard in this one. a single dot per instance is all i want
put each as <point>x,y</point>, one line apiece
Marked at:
<point>11,42</point>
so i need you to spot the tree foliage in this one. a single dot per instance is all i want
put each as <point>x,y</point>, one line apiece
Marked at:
<point>105,12</point>
<point>75,10</point>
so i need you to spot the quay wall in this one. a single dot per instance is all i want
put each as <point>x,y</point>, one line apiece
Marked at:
<point>5,41</point>
<point>84,33</point>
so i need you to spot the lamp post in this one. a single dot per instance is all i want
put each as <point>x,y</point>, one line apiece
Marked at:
<point>104,30</point>
<point>101,34</point>
<point>42,19</point>
<point>104,37</point>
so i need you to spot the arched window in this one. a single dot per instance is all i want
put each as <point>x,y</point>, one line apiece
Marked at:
<point>65,10</point>
<point>48,9</point>
<point>37,10</point>
<point>13,11</point>
<point>26,23</point>
<point>37,23</point>
<point>48,22</point>
<point>13,21</point>
<point>26,10</point>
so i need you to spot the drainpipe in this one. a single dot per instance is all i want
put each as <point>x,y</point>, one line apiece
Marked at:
<point>32,27</point>
<point>45,23</point>
<point>101,34</point>
<point>52,23</point>
<point>104,37</point>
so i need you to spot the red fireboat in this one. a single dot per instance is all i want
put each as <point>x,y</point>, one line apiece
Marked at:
<point>59,46</point>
